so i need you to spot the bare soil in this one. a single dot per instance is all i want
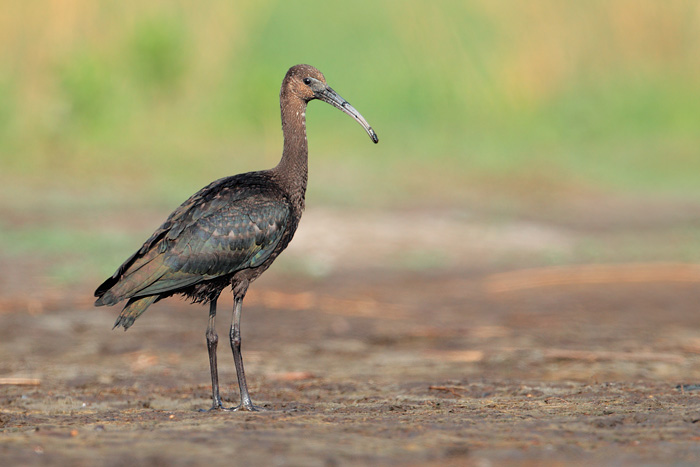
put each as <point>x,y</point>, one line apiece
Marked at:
<point>478,365</point>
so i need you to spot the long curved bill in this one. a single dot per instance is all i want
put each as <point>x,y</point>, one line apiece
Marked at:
<point>333,98</point>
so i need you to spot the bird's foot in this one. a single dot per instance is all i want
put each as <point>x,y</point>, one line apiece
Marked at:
<point>248,407</point>
<point>216,406</point>
<point>243,407</point>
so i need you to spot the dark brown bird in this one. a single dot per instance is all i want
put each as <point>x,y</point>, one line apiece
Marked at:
<point>229,232</point>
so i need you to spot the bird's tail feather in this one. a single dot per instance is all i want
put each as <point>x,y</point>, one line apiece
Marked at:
<point>133,310</point>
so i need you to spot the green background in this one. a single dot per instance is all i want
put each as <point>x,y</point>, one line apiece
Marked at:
<point>478,104</point>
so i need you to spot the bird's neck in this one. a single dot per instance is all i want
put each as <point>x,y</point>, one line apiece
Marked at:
<point>292,170</point>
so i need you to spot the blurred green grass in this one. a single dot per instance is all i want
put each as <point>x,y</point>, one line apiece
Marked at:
<point>142,103</point>
<point>601,95</point>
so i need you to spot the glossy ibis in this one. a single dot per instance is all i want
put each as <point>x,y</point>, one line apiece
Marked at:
<point>229,232</point>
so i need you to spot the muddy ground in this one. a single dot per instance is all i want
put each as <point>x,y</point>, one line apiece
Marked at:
<point>474,363</point>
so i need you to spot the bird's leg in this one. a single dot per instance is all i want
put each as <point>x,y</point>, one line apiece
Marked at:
<point>235,335</point>
<point>212,341</point>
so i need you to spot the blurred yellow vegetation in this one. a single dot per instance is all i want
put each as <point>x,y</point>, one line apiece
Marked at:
<point>600,93</point>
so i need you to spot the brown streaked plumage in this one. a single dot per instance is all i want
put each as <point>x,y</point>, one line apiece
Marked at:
<point>229,232</point>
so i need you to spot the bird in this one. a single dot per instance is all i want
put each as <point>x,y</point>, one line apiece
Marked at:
<point>229,232</point>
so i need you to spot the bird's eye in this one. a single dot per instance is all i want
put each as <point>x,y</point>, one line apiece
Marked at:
<point>307,81</point>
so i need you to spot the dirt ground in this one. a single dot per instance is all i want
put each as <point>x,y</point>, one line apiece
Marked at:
<point>477,363</point>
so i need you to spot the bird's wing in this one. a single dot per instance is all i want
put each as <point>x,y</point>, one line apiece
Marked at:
<point>184,215</point>
<point>202,240</point>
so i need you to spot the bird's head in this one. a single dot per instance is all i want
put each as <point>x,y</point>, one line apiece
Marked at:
<point>307,83</point>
